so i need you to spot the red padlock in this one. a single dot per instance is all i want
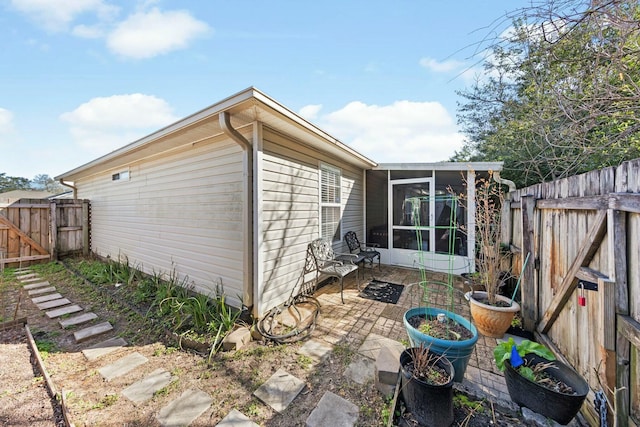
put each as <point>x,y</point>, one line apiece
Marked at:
<point>582,300</point>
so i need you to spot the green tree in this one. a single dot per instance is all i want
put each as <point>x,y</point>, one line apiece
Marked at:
<point>46,183</point>
<point>9,183</point>
<point>561,95</point>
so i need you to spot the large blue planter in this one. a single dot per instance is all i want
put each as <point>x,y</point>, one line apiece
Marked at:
<point>457,352</point>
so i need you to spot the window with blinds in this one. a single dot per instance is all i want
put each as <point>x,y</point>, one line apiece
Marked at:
<point>330,203</point>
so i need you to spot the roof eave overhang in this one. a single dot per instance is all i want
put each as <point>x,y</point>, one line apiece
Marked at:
<point>246,100</point>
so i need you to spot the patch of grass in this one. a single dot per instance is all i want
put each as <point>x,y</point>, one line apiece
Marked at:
<point>108,400</point>
<point>166,390</point>
<point>46,347</point>
<point>162,350</point>
<point>343,352</point>
<point>305,362</point>
<point>463,401</point>
<point>387,411</point>
<point>253,409</point>
<point>48,268</point>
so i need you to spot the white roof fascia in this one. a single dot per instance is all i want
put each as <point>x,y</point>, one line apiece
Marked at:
<point>442,166</point>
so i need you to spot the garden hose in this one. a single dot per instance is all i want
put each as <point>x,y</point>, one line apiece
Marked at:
<point>303,326</point>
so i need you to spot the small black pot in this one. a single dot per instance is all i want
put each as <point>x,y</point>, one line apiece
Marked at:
<point>430,405</point>
<point>560,407</point>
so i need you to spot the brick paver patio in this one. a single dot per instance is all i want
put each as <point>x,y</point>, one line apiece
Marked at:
<point>358,317</point>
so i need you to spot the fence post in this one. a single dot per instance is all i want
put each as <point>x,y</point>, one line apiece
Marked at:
<point>617,222</point>
<point>54,231</point>
<point>529,283</point>
<point>85,227</point>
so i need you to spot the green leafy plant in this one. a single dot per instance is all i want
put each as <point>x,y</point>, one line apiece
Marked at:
<point>502,352</point>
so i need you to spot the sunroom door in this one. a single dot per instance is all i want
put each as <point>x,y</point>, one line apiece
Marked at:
<point>412,211</point>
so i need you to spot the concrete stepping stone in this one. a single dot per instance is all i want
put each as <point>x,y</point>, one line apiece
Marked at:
<point>92,331</point>
<point>334,411</point>
<point>122,366</point>
<point>102,348</point>
<point>373,343</point>
<point>361,370</point>
<point>39,291</point>
<point>45,298</point>
<point>31,280</point>
<point>185,409</point>
<point>316,350</point>
<point>53,303</point>
<point>36,285</point>
<point>27,276</point>
<point>22,270</point>
<point>78,320</point>
<point>236,418</point>
<point>64,310</point>
<point>279,390</point>
<point>143,390</point>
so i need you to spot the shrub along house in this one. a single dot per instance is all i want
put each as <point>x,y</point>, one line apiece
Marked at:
<point>234,193</point>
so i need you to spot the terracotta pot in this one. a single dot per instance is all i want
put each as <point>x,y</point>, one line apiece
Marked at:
<point>491,321</point>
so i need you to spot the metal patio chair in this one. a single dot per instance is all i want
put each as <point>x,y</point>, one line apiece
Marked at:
<point>368,253</point>
<point>322,259</point>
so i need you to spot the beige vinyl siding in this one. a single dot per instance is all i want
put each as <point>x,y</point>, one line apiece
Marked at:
<point>290,212</point>
<point>181,210</point>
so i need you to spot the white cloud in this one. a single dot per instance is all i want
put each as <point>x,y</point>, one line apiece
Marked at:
<point>148,34</point>
<point>88,31</point>
<point>106,123</point>
<point>404,131</point>
<point>442,66</point>
<point>6,121</point>
<point>56,15</point>
<point>310,112</point>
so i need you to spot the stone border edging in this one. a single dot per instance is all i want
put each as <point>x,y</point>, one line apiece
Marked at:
<point>48,381</point>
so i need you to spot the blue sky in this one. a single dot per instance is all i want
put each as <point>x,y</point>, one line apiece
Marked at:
<point>80,78</point>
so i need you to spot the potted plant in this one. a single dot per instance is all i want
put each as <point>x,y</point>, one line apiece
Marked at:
<point>445,333</point>
<point>492,313</point>
<point>436,324</point>
<point>536,380</point>
<point>427,387</point>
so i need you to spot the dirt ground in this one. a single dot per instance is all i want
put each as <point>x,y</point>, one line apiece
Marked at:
<point>229,377</point>
<point>24,400</point>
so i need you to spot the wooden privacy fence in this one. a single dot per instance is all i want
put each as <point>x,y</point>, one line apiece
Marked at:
<point>583,236</point>
<point>34,229</point>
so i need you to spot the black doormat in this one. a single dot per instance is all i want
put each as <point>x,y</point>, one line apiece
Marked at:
<point>382,291</point>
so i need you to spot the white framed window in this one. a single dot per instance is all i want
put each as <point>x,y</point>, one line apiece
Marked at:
<point>330,207</point>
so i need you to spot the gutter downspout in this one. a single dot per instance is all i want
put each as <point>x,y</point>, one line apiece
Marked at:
<point>497,178</point>
<point>505,214</point>
<point>225,123</point>
<point>75,189</point>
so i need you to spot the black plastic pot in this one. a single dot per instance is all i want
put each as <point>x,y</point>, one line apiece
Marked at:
<point>430,405</point>
<point>560,407</point>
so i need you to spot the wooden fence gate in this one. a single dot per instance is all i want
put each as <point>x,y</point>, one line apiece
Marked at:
<point>32,230</point>
<point>583,235</point>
